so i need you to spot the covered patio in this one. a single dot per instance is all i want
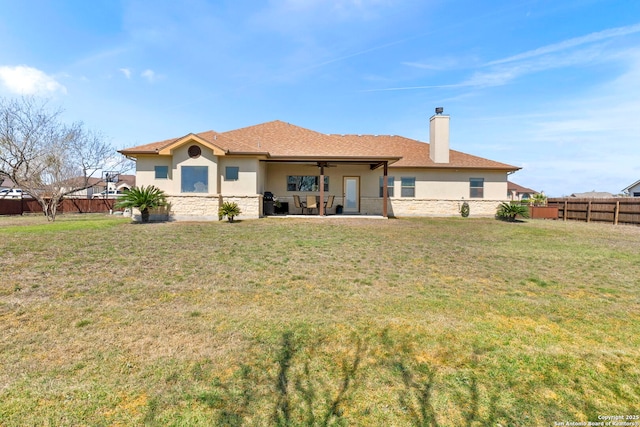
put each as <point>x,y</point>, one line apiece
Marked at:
<point>351,171</point>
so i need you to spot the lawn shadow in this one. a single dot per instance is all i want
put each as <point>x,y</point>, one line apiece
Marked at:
<point>300,396</point>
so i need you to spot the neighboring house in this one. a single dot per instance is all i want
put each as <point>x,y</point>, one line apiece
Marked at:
<point>200,171</point>
<point>633,190</point>
<point>97,185</point>
<point>6,183</point>
<point>518,192</point>
<point>593,195</point>
<point>11,190</point>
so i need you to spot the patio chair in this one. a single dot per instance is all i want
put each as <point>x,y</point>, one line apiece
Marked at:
<point>299,205</point>
<point>329,203</point>
<point>312,203</point>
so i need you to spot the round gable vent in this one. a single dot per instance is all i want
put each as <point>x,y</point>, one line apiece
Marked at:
<point>194,151</point>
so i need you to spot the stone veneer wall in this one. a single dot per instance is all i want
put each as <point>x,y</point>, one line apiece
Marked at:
<point>429,207</point>
<point>205,208</point>
<point>415,207</point>
<point>159,214</point>
<point>250,206</point>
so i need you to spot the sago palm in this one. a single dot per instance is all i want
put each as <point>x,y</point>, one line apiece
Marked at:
<point>229,210</point>
<point>143,198</point>
<point>509,211</point>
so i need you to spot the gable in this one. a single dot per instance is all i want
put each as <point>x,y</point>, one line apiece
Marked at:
<point>190,139</point>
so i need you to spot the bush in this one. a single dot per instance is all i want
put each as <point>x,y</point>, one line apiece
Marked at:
<point>509,211</point>
<point>464,210</point>
<point>143,198</point>
<point>229,210</point>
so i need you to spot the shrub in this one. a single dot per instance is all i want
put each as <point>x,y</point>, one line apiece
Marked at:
<point>538,199</point>
<point>464,210</point>
<point>143,198</point>
<point>509,211</point>
<point>229,210</point>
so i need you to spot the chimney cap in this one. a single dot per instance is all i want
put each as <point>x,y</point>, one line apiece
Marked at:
<point>439,110</point>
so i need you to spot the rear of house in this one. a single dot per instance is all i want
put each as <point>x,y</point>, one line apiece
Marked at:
<point>365,174</point>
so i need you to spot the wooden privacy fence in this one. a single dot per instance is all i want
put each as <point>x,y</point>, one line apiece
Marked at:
<point>31,206</point>
<point>621,210</point>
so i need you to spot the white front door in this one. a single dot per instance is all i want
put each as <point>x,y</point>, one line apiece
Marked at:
<point>351,194</point>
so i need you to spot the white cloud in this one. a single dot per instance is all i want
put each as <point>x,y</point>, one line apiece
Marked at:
<point>150,75</point>
<point>586,50</point>
<point>126,72</point>
<point>29,81</point>
<point>581,143</point>
<point>571,43</point>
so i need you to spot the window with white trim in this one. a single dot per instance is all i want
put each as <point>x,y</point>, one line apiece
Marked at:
<point>389,185</point>
<point>476,188</point>
<point>408,188</point>
<point>231,173</point>
<point>162,172</point>
<point>195,179</point>
<point>306,183</point>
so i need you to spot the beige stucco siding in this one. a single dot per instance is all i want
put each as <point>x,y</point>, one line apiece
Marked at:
<point>145,172</point>
<point>450,184</point>
<point>437,192</point>
<point>248,171</point>
<point>438,184</point>
<point>207,158</point>
<point>277,173</point>
<point>145,169</point>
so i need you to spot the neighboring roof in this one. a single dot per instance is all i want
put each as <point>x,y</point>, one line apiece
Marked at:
<point>512,186</point>
<point>6,183</point>
<point>631,186</point>
<point>93,181</point>
<point>593,195</point>
<point>278,140</point>
<point>127,179</point>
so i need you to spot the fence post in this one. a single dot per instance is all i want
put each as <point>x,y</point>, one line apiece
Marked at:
<point>616,213</point>
<point>589,211</point>
<point>564,212</point>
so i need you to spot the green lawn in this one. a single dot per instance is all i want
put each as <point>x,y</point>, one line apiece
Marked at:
<point>290,322</point>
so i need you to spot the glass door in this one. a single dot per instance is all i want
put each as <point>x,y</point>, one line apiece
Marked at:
<point>351,194</point>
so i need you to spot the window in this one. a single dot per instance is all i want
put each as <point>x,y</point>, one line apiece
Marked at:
<point>194,151</point>
<point>408,186</point>
<point>306,183</point>
<point>389,186</point>
<point>636,194</point>
<point>195,179</point>
<point>231,173</point>
<point>162,172</point>
<point>476,187</point>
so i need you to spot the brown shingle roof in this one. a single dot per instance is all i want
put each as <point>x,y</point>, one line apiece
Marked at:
<point>278,139</point>
<point>416,154</point>
<point>512,186</point>
<point>282,139</point>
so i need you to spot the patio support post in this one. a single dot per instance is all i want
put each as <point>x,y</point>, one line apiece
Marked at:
<point>321,201</point>
<point>385,191</point>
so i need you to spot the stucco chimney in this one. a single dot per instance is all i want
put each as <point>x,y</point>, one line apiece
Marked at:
<point>439,137</point>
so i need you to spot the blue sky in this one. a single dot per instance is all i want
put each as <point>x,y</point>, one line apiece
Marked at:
<point>550,86</point>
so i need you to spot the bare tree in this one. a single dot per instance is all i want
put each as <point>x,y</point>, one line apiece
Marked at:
<point>47,158</point>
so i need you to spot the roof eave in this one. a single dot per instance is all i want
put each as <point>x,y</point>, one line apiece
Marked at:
<point>314,158</point>
<point>450,166</point>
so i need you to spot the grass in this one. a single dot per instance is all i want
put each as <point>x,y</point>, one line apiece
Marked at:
<point>412,322</point>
